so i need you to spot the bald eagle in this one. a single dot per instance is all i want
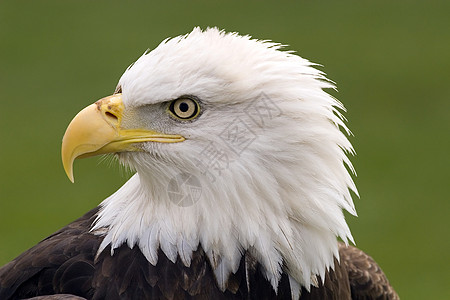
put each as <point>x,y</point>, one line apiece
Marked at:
<point>241,180</point>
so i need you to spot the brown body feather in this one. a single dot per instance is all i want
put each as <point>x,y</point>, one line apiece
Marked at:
<point>65,264</point>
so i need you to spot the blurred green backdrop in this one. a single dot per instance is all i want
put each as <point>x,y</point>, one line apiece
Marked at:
<point>391,62</point>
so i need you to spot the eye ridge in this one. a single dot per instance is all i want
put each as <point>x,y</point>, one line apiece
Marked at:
<point>184,108</point>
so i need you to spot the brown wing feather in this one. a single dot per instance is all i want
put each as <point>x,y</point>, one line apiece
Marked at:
<point>61,263</point>
<point>367,280</point>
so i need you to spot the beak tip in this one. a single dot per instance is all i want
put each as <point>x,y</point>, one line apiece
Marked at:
<point>67,164</point>
<point>69,174</point>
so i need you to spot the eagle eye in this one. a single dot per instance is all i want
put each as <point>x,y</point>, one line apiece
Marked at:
<point>184,108</point>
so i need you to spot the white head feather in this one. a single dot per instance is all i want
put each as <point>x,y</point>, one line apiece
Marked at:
<point>267,152</point>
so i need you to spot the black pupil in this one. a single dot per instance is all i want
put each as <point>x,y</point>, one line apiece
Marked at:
<point>184,107</point>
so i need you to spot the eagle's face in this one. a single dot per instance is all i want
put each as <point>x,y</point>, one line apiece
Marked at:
<point>253,126</point>
<point>182,101</point>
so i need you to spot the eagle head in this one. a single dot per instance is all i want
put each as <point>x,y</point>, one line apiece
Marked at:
<point>236,148</point>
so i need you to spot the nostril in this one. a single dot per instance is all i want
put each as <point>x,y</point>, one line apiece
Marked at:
<point>111,115</point>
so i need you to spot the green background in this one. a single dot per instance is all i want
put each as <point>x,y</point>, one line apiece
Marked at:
<point>390,59</point>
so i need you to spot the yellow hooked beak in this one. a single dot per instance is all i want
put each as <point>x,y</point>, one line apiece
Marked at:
<point>97,130</point>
